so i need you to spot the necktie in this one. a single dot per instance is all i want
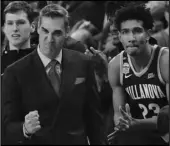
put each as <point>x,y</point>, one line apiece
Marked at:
<point>54,75</point>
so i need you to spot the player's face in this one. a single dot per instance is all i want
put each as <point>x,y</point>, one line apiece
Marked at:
<point>17,28</point>
<point>133,36</point>
<point>52,34</point>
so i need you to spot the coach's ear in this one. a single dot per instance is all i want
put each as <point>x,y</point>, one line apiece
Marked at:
<point>33,26</point>
<point>67,31</point>
<point>120,38</point>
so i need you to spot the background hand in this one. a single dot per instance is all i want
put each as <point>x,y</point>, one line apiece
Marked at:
<point>100,63</point>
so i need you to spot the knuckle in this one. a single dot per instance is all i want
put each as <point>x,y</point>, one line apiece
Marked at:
<point>27,121</point>
<point>27,116</point>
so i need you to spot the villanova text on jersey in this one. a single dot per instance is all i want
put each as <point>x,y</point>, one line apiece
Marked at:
<point>146,90</point>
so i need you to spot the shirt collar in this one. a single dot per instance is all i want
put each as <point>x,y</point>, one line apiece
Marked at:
<point>45,60</point>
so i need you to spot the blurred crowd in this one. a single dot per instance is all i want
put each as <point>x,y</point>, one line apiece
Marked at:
<point>98,32</point>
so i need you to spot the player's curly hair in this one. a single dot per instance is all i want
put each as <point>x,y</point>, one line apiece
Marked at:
<point>137,12</point>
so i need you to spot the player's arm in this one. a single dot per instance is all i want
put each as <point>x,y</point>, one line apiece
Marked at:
<point>118,94</point>
<point>164,69</point>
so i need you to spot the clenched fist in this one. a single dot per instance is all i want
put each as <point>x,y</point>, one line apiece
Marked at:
<point>32,123</point>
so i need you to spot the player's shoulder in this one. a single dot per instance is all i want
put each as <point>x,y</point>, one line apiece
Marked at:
<point>164,56</point>
<point>165,51</point>
<point>114,68</point>
<point>115,62</point>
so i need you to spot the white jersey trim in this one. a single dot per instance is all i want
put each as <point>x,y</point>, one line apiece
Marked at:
<point>158,66</point>
<point>139,74</point>
<point>121,68</point>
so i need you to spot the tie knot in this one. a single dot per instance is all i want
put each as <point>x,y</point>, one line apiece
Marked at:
<point>53,63</point>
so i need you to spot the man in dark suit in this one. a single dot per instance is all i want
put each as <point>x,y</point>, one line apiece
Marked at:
<point>48,96</point>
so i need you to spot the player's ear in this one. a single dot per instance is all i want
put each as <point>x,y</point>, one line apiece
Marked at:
<point>148,34</point>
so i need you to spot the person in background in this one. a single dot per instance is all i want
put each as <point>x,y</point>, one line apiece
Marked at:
<point>48,96</point>
<point>18,26</point>
<point>139,77</point>
<point>116,46</point>
<point>163,123</point>
<point>162,37</point>
<point>109,42</point>
<point>83,32</point>
<point>73,44</point>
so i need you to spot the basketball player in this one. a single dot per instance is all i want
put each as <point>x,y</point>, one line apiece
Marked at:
<point>139,77</point>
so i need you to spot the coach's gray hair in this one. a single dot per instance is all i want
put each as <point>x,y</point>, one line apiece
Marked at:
<point>54,10</point>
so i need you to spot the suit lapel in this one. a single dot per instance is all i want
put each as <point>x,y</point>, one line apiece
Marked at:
<point>67,82</point>
<point>68,75</point>
<point>40,76</point>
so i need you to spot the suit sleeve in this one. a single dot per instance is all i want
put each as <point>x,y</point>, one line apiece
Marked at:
<point>93,112</point>
<point>12,118</point>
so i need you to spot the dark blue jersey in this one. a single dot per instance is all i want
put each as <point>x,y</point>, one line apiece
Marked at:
<point>146,90</point>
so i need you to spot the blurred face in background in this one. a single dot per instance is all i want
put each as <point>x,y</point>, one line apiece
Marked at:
<point>34,5</point>
<point>52,33</point>
<point>157,26</point>
<point>167,12</point>
<point>167,16</point>
<point>17,28</point>
<point>115,34</point>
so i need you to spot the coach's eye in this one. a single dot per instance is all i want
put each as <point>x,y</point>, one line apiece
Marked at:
<point>58,33</point>
<point>20,22</point>
<point>44,30</point>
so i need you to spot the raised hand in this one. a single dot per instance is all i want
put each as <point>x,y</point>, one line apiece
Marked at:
<point>32,123</point>
<point>100,63</point>
<point>126,121</point>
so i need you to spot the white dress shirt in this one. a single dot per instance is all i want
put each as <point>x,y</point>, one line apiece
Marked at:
<point>45,60</point>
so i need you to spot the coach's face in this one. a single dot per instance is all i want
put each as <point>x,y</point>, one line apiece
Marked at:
<point>52,33</point>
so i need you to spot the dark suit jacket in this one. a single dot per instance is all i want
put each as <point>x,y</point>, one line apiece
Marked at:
<point>10,56</point>
<point>68,119</point>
